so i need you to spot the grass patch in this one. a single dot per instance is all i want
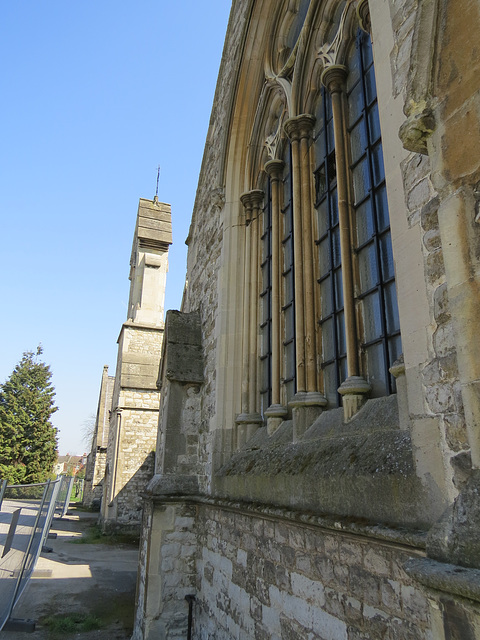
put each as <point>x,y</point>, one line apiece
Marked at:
<point>79,506</point>
<point>71,623</point>
<point>95,535</point>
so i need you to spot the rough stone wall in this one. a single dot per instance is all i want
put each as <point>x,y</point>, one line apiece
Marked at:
<point>403,16</point>
<point>268,579</point>
<point>97,458</point>
<point>166,567</point>
<point>132,459</point>
<point>457,174</point>
<point>206,231</point>
<point>439,375</point>
<point>93,487</point>
<point>143,340</point>
<point>142,581</point>
<point>136,460</point>
<point>441,387</point>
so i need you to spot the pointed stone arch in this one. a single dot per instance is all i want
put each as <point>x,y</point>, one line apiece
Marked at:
<point>267,137</point>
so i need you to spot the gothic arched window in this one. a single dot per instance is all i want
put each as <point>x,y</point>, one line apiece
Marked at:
<point>375,315</point>
<point>379,324</point>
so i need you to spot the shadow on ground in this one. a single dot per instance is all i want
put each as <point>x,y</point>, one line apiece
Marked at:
<point>95,582</point>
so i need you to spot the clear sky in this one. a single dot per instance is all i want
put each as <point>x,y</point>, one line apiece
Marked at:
<point>95,95</point>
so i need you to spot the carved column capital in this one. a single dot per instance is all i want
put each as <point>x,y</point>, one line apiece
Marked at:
<point>257,196</point>
<point>300,126</point>
<point>274,168</point>
<point>246,200</point>
<point>251,200</point>
<point>333,77</point>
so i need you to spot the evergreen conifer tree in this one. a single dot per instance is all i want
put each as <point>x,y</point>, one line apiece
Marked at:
<point>28,440</point>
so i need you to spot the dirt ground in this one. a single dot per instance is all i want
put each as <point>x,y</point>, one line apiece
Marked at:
<point>97,580</point>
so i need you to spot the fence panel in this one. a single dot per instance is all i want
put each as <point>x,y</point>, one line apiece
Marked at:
<point>25,519</point>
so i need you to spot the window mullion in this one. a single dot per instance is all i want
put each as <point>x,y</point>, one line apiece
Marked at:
<point>334,78</point>
<point>274,169</point>
<point>354,388</point>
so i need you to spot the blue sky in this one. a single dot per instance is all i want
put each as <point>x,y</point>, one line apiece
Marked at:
<point>95,95</point>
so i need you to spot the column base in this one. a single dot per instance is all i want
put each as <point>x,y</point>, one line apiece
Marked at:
<point>354,391</point>
<point>275,415</point>
<point>306,407</point>
<point>247,424</point>
<point>398,372</point>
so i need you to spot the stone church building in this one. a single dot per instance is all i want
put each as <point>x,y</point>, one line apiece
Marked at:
<point>318,451</point>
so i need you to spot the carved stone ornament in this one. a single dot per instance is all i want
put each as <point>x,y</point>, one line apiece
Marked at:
<point>217,199</point>
<point>476,195</point>
<point>415,131</point>
<point>271,143</point>
<point>328,53</point>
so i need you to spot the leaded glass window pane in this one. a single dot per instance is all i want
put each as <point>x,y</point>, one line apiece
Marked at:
<point>330,383</point>
<point>381,208</point>
<point>326,300</point>
<point>364,222</point>
<point>361,182</point>
<point>322,218</point>
<point>329,253</point>
<point>338,289</point>
<point>358,141</point>
<point>288,285</point>
<point>368,267</point>
<point>386,257</point>
<point>289,323</point>
<point>288,277</point>
<point>375,357</point>
<point>391,309</point>
<point>372,317</point>
<point>324,256</point>
<point>266,302</point>
<point>373,123</point>
<point>290,360</point>
<point>375,266</point>
<point>328,339</point>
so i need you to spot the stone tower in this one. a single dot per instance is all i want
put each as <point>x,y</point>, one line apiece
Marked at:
<point>135,403</point>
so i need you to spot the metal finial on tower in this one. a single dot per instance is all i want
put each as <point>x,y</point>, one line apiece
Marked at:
<point>158,178</point>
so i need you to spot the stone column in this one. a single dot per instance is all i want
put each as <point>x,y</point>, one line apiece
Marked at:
<point>249,420</point>
<point>354,388</point>
<point>275,412</point>
<point>240,421</point>
<point>308,402</point>
<point>293,132</point>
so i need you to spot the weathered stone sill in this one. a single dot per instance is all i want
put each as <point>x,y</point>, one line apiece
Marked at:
<point>363,470</point>
<point>449,578</point>
<point>398,536</point>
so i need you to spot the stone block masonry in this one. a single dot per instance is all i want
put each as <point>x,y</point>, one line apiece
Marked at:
<point>97,458</point>
<point>270,578</point>
<point>167,571</point>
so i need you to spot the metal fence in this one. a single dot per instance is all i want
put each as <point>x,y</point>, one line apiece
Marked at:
<point>26,514</point>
